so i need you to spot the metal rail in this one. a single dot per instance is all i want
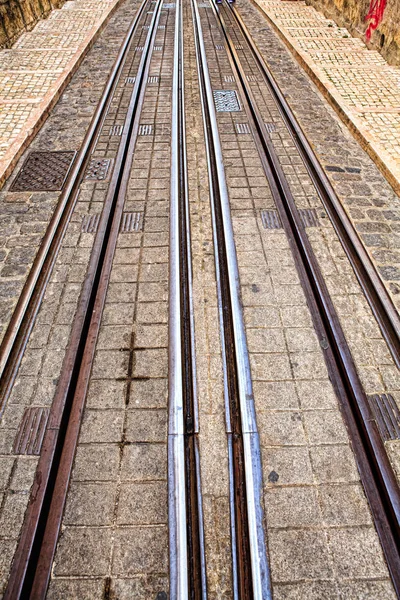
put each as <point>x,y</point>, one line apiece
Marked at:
<point>17,335</point>
<point>376,473</point>
<point>250,567</point>
<point>186,534</point>
<point>31,568</point>
<point>375,291</point>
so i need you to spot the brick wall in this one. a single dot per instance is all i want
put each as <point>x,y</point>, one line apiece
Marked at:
<point>351,14</point>
<point>17,16</point>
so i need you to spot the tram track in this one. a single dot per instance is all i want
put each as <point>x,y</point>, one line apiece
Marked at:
<point>186,530</point>
<point>23,319</point>
<point>250,569</point>
<point>31,568</point>
<point>377,476</point>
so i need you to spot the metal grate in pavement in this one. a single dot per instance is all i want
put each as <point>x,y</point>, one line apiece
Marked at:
<point>90,223</point>
<point>243,128</point>
<point>270,127</point>
<point>131,221</point>
<point>309,217</point>
<point>270,219</point>
<point>116,130</point>
<point>387,415</point>
<point>226,101</point>
<point>145,129</point>
<point>31,431</point>
<point>98,169</point>
<point>44,172</point>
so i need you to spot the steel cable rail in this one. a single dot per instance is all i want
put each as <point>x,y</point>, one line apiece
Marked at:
<point>376,472</point>
<point>186,531</point>
<point>31,568</point>
<point>23,318</point>
<point>251,578</point>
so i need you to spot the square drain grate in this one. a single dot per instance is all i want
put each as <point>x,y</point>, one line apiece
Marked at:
<point>90,223</point>
<point>226,101</point>
<point>387,415</point>
<point>131,221</point>
<point>270,219</point>
<point>31,431</point>
<point>44,172</point>
<point>98,169</point>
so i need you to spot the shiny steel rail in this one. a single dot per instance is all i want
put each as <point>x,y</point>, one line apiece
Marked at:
<point>186,533</point>
<point>23,318</point>
<point>31,568</point>
<point>249,558</point>
<point>376,472</point>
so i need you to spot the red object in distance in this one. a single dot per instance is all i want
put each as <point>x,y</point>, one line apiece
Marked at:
<point>375,16</point>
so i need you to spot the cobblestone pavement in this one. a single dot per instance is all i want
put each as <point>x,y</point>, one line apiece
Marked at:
<point>359,82</point>
<point>114,540</point>
<point>25,215</point>
<point>370,202</point>
<point>35,71</point>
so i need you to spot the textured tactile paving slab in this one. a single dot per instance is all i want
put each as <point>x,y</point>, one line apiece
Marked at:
<point>366,98</point>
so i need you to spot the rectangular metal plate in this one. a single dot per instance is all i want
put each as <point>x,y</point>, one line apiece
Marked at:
<point>116,130</point>
<point>226,101</point>
<point>130,80</point>
<point>131,221</point>
<point>169,5</point>
<point>243,128</point>
<point>44,172</point>
<point>219,47</point>
<point>270,127</point>
<point>270,219</point>
<point>387,415</point>
<point>98,169</point>
<point>31,431</point>
<point>153,79</point>
<point>309,217</point>
<point>145,129</point>
<point>229,79</point>
<point>90,223</point>
<point>238,47</point>
<point>139,48</point>
<point>157,48</point>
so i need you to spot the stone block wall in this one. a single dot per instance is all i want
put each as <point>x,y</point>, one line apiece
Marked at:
<point>351,14</point>
<point>17,16</point>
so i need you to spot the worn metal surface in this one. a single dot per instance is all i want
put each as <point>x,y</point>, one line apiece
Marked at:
<point>44,171</point>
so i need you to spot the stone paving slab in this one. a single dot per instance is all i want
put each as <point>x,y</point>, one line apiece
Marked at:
<point>36,70</point>
<point>358,82</point>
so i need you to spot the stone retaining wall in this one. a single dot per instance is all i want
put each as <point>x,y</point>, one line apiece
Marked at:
<point>17,16</point>
<point>351,14</point>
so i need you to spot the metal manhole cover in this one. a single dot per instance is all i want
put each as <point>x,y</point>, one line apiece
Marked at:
<point>98,169</point>
<point>44,172</point>
<point>226,101</point>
